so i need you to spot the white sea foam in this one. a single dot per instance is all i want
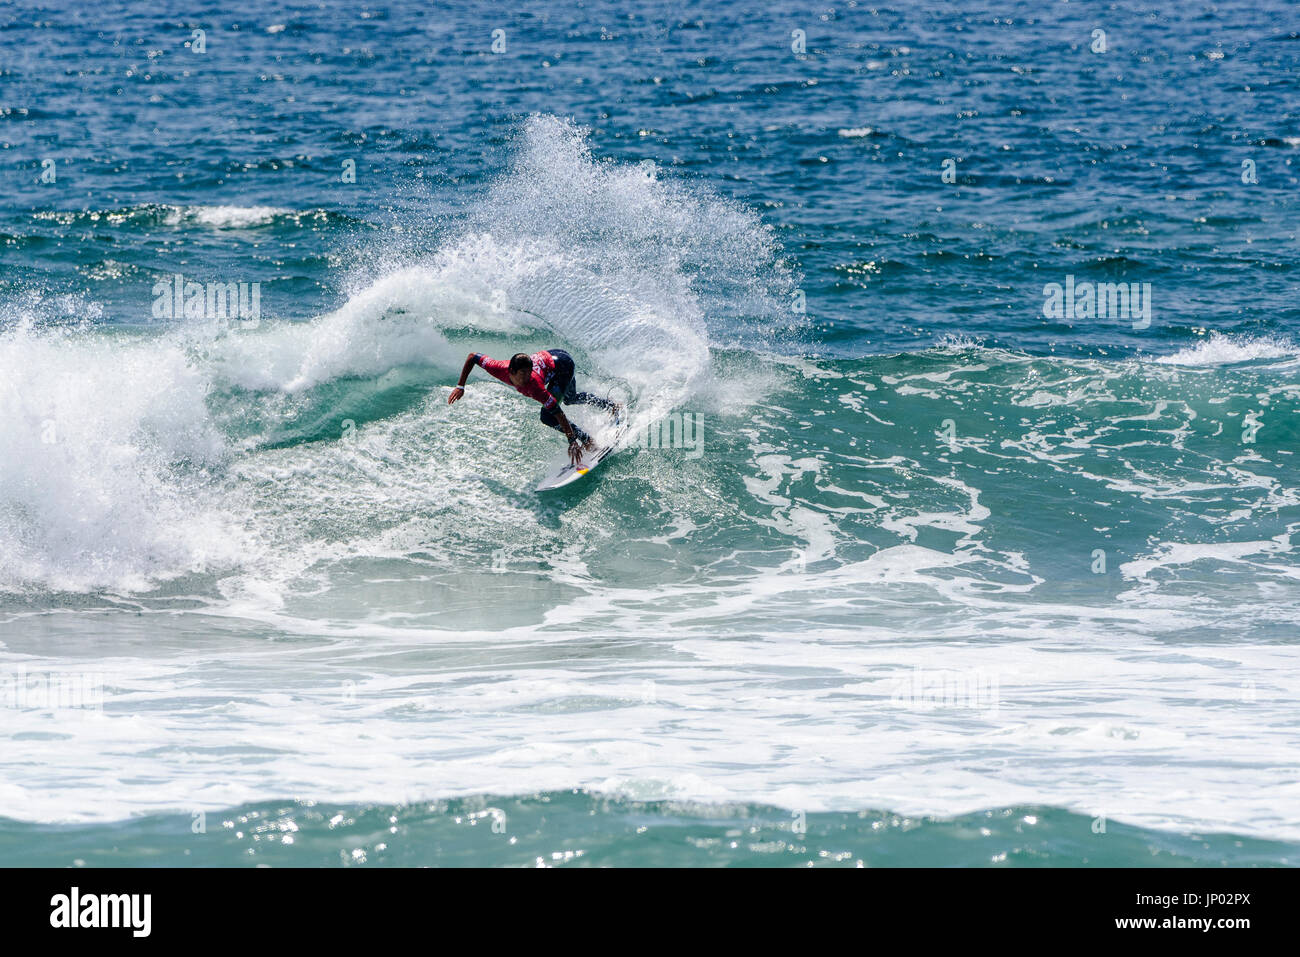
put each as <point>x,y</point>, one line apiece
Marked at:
<point>1220,349</point>
<point>89,490</point>
<point>222,217</point>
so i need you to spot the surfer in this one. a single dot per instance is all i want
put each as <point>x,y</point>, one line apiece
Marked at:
<point>549,377</point>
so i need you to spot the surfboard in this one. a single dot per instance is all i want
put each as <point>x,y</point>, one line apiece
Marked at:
<point>564,472</point>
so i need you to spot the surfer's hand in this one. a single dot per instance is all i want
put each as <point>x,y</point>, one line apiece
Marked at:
<point>456,393</point>
<point>575,451</point>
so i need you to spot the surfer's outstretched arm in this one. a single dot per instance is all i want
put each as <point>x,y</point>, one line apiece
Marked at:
<point>459,391</point>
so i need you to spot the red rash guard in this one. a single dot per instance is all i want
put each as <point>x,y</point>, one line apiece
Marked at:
<point>535,386</point>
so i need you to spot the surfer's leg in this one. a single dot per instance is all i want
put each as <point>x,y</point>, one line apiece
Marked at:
<point>590,398</point>
<point>565,385</point>
<point>599,401</point>
<point>548,418</point>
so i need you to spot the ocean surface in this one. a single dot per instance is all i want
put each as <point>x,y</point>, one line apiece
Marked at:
<point>915,556</point>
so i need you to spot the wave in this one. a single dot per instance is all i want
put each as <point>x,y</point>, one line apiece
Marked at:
<point>603,830</point>
<point>1221,349</point>
<point>161,439</point>
<point>233,460</point>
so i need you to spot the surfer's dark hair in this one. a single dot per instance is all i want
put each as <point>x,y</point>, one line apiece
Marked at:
<point>520,361</point>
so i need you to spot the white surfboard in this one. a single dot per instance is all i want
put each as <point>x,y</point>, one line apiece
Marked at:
<point>564,472</point>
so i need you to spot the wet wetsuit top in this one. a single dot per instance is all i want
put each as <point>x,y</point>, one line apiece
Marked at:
<point>535,386</point>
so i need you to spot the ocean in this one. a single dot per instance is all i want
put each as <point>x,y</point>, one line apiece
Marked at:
<point>957,525</point>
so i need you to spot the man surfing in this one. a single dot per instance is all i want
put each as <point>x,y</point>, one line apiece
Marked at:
<point>549,377</point>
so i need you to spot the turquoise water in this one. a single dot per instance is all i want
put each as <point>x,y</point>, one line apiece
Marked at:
<point>894,552</point>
